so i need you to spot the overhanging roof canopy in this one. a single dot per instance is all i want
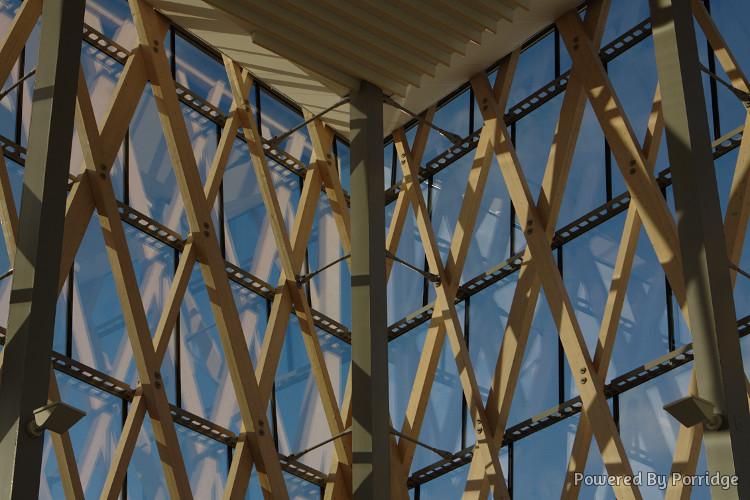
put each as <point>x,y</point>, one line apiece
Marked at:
<point>315,52</point>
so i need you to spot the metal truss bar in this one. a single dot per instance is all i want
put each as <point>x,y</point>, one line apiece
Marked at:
<point>193,101</point>
<point>120,389</point>
<point>18,82</point>
<point>631,379</point>
<point>430,276</point>
<point>301,280</point>
<point>732,265</point>
<point>297,455</point>
<point>278,139</point>
<point>634,378</point>
<point>740,94</point>
<point>564,235</point>
<point>454,138</point>
<point>442,453</point>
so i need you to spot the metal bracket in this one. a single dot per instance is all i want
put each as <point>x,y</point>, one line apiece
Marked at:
<point>304,278</point>
<point>692,410</point>
<point>741,95</point>
<point>297,455</point>
<point>431,277</point>
<point>278,139</point>
<point>443,454</point>
<point>54,417</point>
<point>454,138</point>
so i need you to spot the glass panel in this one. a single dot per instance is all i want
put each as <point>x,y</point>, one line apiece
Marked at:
<point>203,74</point>
<point>488,316</point>
<point>299,489</point>
<point>533,138</point>
<point>442,420</point>
<point>100,339</point>
<point>405,286</point>
<point>204,378</point>
<point>540,461</point>
<point>145,473</point>
<point>113,19</point>
<point>153,263</point>
<point>153,186</point>
<point>329,289</point>
<point>301,421</point>
<point>490,241</point>
<point>277,118</point>
<point>206,463</point>
<point>249,240</point>
<point>623,16</point>
<point>536,68</point>
<point>537,388</point>
<point>642,335</point>
<point>588,264</point>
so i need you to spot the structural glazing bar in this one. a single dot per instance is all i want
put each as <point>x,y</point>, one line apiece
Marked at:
<point>370,422</point>
<point>36,267</point>
<point>718,361</point>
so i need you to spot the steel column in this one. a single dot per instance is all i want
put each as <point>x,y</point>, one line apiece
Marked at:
<point>370,417</point>
<point>26,370</point>
<point>718,361</point>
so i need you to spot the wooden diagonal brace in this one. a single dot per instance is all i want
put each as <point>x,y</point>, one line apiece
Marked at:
<point>615,302</point>
<point>457,256</point>
<point>446,305</point>
<point>197,209</point>
<point>589,385</point>
<point>130,299</point>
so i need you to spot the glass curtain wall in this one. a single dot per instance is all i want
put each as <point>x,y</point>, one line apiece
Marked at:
<point>90,328</point>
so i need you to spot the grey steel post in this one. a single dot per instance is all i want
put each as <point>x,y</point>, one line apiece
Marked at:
<point>718,361</point>
<point>36,268</point>
<point>370,422</point>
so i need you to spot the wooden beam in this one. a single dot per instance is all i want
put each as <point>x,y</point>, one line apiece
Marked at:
<point>645,193</point>
<point>615,301</point>
<point>446,305</point>
<point>588,383</point>
<point>460,243</point>
<point>401,208</point>
<point>80,203</point>
<point>126,284</point>
<point>228,323</point>
<point>16,36</point>
<point>527,290</point>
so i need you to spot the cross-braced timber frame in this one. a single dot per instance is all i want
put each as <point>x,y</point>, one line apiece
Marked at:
<point>255,452</point>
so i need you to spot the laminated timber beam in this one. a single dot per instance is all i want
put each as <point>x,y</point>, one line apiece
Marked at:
<point>527,291</point>
<point>28,347</point>
<point>435,339</point>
